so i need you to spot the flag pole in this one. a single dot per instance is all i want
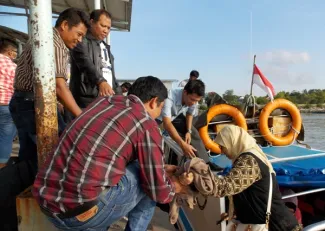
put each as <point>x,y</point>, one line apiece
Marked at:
<point>253,75</point>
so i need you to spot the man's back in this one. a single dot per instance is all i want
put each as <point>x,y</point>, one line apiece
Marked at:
<point>95,149</point>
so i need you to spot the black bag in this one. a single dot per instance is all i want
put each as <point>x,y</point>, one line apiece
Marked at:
<point>14,179</point>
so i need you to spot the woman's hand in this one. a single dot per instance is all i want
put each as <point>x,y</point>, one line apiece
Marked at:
<point>170,169</point>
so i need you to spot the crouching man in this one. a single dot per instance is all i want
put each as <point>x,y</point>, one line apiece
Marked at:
<point>109,164</point>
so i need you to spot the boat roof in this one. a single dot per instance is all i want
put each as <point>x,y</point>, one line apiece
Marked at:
<point>120,9</point>
<point>6,32</point>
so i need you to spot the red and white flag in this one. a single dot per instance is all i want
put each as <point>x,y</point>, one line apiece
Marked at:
<point>260,80</point>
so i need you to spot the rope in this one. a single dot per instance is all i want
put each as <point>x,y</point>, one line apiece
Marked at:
<point>250,100</point>
<point>202,207</point>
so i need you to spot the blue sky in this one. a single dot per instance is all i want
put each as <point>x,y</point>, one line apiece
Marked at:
<point>170,38</point>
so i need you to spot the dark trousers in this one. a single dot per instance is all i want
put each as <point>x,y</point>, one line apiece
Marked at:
<point>23,114</point>
<point>180,125</point>
<point>16,177</point>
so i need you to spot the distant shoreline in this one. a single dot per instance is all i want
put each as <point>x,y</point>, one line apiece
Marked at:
<point>313,110</point>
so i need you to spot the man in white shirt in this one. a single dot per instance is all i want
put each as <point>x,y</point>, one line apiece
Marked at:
<point>194,75</point>
<point>180,127</point>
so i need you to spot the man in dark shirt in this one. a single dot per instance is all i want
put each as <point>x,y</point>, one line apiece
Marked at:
<point>109,164</point>
<point>92,63</point>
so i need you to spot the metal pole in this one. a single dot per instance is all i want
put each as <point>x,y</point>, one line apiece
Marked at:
<point>251,37</point>
<point>253,75</point>
<point>44,77</point>
<point>96,4</point>
<point>20,47</point>
<point>303,193</point>
<point>108,38</point>
<point>319,226</point>
<point>278,160</point>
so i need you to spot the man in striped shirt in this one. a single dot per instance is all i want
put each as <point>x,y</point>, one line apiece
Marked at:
<point>8,52</point>
<point>109,164</point>
<point>69,30</point>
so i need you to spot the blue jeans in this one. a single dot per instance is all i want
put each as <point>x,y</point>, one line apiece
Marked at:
<point>23,113</point>
<point>7,133</point>
<point>125,199</point>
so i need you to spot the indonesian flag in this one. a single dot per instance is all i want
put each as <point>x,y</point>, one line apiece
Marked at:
<point>260,80</point>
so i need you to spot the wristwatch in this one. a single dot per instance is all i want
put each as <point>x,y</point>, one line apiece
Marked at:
<point>189,131</point>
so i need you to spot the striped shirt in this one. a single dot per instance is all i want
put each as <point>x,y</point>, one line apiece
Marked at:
<point>24,73</point>
<point>7,74</point>
<point>95,149</point>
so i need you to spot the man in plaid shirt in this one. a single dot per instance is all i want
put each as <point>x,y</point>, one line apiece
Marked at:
<point>109,164</point>
<point>8,52</point>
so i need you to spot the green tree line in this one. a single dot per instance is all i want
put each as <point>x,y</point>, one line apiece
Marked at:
<point>305,97</point>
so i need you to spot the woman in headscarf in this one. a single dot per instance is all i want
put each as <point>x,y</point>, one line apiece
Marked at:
<point>248,182</point>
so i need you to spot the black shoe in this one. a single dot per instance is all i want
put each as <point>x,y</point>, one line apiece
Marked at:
<point>214,167</point>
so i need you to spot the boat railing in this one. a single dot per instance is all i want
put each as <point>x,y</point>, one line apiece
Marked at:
<point>174,146</point>
<point>303,193</point>
<point>315,227</point>
<point>277,159</point>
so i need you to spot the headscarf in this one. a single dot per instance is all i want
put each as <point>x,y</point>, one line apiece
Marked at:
<point>237,141</point>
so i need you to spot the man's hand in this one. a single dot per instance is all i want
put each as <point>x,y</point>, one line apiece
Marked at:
<point>179,188</point>
<point>188,138</point>
<point>186,178</point>
<point>105,89</point>
<point>188,150</point>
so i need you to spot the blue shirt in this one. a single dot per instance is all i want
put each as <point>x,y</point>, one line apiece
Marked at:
<point>173,105</point>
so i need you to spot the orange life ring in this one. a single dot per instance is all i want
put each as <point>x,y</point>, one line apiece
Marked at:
<point>295,127</point>
<point>221,109</point>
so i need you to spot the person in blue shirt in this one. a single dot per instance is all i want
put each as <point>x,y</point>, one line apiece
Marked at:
<point>179,126</point>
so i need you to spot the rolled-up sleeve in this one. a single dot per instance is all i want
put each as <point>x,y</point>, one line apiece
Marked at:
<point>167,109</point>
<point>61,62</point>
<point>154,180</point>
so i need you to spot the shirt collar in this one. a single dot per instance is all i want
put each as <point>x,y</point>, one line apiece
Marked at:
<point>136,98</point>
<point>60,40</point>
<point>90,36</point>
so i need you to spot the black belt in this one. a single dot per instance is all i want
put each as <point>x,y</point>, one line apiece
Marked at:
<point>24,94</point>
<point>73,212</point>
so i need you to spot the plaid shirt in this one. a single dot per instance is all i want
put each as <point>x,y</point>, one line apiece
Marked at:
<point>94,151</point>
<point>7,76</point>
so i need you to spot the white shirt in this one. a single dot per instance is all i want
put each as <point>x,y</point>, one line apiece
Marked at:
<point>173,105</point>
<point>183,83</point>
<point>107,66</point>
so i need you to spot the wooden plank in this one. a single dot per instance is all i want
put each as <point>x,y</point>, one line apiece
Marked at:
<point>30,216</point>
<point>280,125</point>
